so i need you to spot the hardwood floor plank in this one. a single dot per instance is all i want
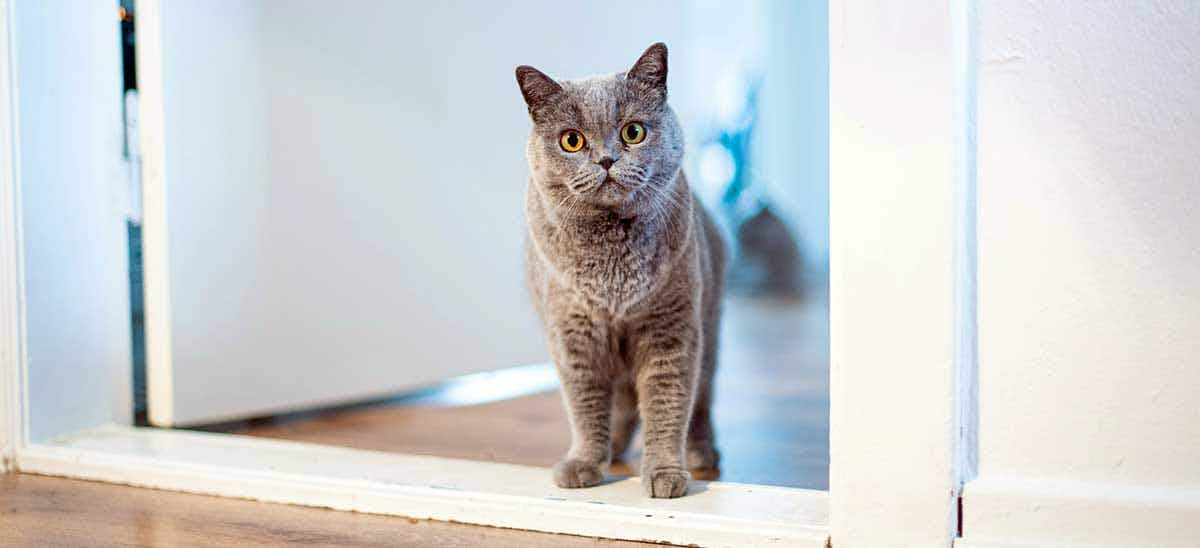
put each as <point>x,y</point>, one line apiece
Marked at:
<point>45,511</point>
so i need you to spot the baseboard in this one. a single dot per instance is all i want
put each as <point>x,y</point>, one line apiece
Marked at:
<point>1000,512</point>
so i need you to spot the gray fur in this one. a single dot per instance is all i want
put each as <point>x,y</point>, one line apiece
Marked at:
<point>625,274</point>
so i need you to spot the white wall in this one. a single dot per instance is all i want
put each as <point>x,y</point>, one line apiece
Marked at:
<point>1089,273</point>
<point>68,79</point>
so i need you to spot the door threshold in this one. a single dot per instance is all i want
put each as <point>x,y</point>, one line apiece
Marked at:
<point>423,487</point>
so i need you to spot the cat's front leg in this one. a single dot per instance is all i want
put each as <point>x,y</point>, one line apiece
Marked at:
<point>666,361</point>
<point>579,343</point>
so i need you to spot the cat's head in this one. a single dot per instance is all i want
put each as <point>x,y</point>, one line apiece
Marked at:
<point>606,141</point>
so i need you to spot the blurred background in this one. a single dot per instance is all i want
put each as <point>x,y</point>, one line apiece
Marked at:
<point>342,187</point>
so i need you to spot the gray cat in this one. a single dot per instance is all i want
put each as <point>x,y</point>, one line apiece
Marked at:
<point>625,268</point>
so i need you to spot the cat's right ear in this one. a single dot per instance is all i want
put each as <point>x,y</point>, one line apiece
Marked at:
<point>538,89</point>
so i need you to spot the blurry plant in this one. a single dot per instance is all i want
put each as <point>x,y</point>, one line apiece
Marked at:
<point>725,154</point>
<point>736,140</point>
<point>767,259</point>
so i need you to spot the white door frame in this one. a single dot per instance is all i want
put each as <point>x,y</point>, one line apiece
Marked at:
<point>156,257</point>
<point>900,246</point>
<point>902,270</point>
<point>12,314</point>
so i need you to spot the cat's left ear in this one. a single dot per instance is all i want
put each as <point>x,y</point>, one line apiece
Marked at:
<point>650,70</point>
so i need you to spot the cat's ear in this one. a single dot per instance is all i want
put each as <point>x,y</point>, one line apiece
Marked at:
<point>651,67</point>
<point>537,88</point>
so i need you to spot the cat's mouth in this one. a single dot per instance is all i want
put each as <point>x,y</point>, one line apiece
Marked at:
<point>608,179</point>
<point>611,192</point>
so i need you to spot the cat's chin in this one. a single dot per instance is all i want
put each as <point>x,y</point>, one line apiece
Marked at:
<point>611,194</point>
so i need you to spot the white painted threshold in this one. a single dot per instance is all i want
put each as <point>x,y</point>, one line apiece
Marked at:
<point>422,487</point>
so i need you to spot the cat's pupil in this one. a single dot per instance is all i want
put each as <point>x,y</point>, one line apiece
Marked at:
<point>572,139</point>
<point>631,132</point>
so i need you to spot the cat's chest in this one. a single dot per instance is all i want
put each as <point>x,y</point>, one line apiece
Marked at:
<point>615,264</point>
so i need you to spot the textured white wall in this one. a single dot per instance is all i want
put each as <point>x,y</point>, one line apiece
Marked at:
<point>1089,271</point>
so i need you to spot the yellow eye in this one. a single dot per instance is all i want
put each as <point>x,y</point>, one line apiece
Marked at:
<point>633,133</point>
<point>571,141</point>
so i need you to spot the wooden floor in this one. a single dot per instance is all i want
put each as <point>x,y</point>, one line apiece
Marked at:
<point>44,511</point>
<point>771,408</point>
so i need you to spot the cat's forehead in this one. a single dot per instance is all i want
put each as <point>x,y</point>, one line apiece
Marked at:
<point>602,100</point>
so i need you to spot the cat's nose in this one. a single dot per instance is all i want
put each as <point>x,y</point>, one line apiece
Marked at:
<point>605,162</point>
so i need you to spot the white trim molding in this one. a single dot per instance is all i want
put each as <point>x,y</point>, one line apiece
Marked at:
<point>156,258</point>
<point>895,153</point>
<point>966,248</point>
<point>1012,512</point>
<point>501,495</point>
<point>12,325</point>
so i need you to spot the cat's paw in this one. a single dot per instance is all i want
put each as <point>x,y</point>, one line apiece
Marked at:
<point>665,482</point>
<point>572,473</point>
<point>703,456</point>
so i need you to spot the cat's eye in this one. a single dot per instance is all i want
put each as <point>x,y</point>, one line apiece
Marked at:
<point>571,140</point>
<point>633,133</point>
